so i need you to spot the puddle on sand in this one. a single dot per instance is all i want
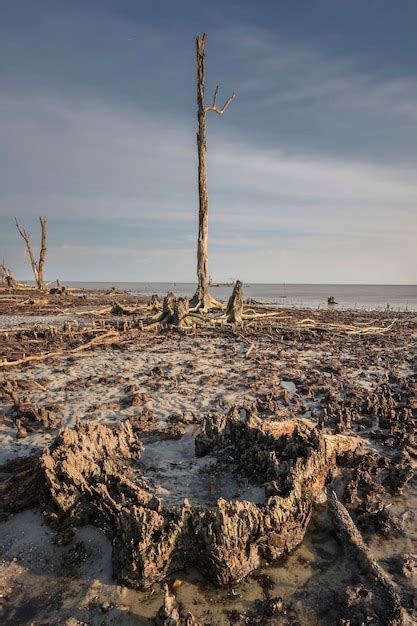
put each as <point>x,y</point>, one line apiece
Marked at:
<point>289,385</point>
<point>174,473</point>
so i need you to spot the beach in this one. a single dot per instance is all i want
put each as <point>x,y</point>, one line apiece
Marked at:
<point>96,366</point>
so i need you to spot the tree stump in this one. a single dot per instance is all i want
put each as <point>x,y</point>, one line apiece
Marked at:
<point>181,311</point>
<point>234,310</point>
<point>175,311</point>
<point>155,303</point>
<point>168,306</point>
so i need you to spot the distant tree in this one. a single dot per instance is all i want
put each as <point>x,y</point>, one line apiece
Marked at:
<point>37,266</point>
<point>202,299</point>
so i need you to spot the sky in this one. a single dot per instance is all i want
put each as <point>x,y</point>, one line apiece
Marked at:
<point>311,170</point>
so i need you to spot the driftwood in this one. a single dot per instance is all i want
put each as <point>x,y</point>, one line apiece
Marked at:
<point>202,300</point>
<point>37,266</point>
<point>350,329</point>
<point>352,541</point>
<point>121,309</point>
<point>112,309</point>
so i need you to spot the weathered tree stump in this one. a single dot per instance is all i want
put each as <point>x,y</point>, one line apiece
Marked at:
<point>86,476</point>
<point>7,277</point>
<point>155,303</point>
<point>234,310</point>
<point>175,312</point>
<point>181,310</point>
<point>119,309</point>
<point>168,306</point>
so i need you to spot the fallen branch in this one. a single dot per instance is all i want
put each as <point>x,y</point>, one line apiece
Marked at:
<point>351,540</point>
<point>249,350</point>
<point>108,337</point>
<point>105,311</point>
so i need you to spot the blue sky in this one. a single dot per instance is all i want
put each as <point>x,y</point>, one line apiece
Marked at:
<point>312,170</point>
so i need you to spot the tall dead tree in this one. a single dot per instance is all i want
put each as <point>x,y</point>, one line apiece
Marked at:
<point>202,299</point>
<point>37,266</point>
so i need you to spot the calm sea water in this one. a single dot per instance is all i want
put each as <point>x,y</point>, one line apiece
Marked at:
<point>398,297</point>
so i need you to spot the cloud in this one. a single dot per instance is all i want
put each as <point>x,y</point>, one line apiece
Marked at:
<point>84,156</point>
<point>339,104</point>
<point>296,193</point>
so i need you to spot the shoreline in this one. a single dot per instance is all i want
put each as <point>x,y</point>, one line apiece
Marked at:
<point>352,297</point>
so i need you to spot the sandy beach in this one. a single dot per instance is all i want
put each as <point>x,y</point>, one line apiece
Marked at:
<point>343,374</point>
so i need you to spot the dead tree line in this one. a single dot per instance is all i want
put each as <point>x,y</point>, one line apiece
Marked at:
<point>202,300</point>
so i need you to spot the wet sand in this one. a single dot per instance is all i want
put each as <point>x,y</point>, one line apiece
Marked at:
<point>167,381</point>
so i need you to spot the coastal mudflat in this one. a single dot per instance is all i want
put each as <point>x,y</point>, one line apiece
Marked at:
<point>334,374</point>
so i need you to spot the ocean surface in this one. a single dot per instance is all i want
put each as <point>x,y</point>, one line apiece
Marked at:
<point>398,297</point>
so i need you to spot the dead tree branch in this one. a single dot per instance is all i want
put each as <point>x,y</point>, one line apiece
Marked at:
<point>213,106</point>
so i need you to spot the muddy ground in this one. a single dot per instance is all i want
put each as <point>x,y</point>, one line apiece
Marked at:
<point>166,382</point>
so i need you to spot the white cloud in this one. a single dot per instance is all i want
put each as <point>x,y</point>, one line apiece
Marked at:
<point>77,158</point>
<point>291,73</point>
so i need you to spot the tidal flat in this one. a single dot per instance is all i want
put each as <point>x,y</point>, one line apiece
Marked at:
<point>153,471</point>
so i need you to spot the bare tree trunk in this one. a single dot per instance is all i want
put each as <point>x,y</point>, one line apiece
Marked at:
<point>42,253</point>
<point>37,266</point>
<point>202,299</point>
<point>202,249</point>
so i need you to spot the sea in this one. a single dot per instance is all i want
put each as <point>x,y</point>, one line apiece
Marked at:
<point>365,297</point>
